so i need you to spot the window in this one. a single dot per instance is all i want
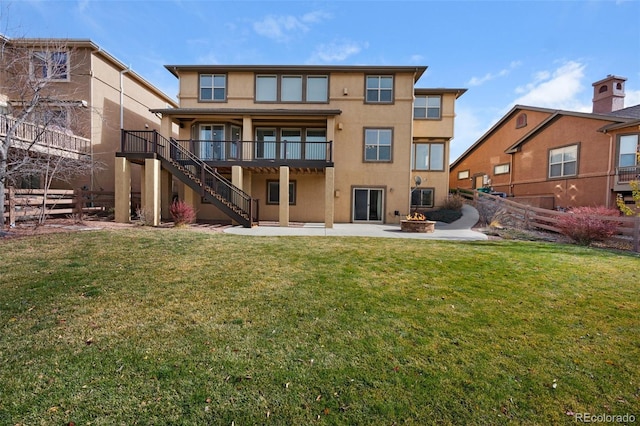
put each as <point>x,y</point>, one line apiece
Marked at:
<point>428,156</point>
<point>463,175</point>
<point>273,192</point>
<point>291,88</point>
<point>422,197</point>
<point>379,89</point>
<point>317,88</point>
<point>521,121</point>
<point>50,65</point>
<point>427,107</point>
<point>501,169</point>
<point>628,156</point>
<point>266,88</point>
<point>563,161</point>
<point>290,143</point>
<point>213,87</point>
<point>377,144</point>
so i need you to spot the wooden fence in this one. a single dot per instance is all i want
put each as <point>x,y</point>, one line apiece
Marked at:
<point>534,217</point>
<point>28,204</point>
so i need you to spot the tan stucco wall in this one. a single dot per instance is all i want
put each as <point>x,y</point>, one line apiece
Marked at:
<point>347,94</point>
<point>105,106</point>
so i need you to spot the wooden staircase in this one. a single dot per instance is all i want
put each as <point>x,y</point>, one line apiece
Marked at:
<point>195,173</point>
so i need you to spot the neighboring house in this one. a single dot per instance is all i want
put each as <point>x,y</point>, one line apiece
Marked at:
<point>105,95</point>
<point>295,143</point>
<point>558,159</point>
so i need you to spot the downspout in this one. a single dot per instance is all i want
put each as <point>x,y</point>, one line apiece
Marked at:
<point>122,73</point>
<point>609,170</point>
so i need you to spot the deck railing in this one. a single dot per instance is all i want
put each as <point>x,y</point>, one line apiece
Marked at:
<point>628,174</point>
<point>30,133</point>
<point>233,151</point>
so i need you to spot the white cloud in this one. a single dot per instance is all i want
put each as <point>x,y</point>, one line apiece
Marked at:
<point>558,89</point>
<point>335,51</point>
<point>477,81</point>
<point>632,98</point>
<point>284,27</point>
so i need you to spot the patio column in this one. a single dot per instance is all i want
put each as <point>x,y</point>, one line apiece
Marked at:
<point>122,190</point>
<point>166,196</point>
<point>329,188</point>
<point>284,196</point>
<point>247,135</point>
<point>236,176</point>
<point>152,191</point>
<point>237,181</point>
<point>190,196</point>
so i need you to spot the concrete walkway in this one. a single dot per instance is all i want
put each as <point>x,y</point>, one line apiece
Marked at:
<point>458,230</point>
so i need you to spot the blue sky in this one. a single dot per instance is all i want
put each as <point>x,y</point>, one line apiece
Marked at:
<point>538,53</point>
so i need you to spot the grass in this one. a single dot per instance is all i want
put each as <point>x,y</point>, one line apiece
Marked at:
<point>172,326</point>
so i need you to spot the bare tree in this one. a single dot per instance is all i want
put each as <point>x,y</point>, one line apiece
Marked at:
<point>39,114</point>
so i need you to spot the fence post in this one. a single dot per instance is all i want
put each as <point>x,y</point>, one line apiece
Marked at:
<point>636,234</point>
<point>12,206</point>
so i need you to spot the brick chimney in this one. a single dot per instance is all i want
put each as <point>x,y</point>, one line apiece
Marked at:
<point>608,94</point>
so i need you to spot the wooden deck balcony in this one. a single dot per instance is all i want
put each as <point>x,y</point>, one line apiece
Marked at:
<point>224,154</point>
<point>33,137</point>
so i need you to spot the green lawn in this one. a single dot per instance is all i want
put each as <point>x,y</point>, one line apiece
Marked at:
<point>149,326</point>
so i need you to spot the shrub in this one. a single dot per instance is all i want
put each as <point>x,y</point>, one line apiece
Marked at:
<point>585,225</point>
<point>453,202</point>
<point>182,213</point>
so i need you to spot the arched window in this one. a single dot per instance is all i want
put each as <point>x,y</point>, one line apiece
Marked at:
<point>521,121</point>
<point>603,89</point>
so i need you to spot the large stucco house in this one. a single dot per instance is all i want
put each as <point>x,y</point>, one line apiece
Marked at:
<point>90,95</point>
<point>558,159</point>
<point>293,144</point>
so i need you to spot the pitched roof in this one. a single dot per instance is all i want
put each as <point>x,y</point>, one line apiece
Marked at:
<point>418,70</point>
<point>616,117</point>
<point>629,112</point>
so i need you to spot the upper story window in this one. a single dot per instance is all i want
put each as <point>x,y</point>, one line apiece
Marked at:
<point>464,174</point>
<point>213,87</point>
<point>50,65</point>
<point>521,121</point>
<point>292,88</point>
<point>377,144</point>
<point>427,107</point>
<point>563,161</point>
<point>317,88</point>
<point>379,89</point>
<point>628,156</point>
<point>428,156</point>
<point>501,169</point>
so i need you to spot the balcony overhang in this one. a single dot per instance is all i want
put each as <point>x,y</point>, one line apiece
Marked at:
<point>178,113</point>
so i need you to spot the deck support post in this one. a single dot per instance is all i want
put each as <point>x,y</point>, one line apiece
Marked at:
<point>122,190</point>
<point>152,191</point>
<point>329,202</point>
<point>284,196</point>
